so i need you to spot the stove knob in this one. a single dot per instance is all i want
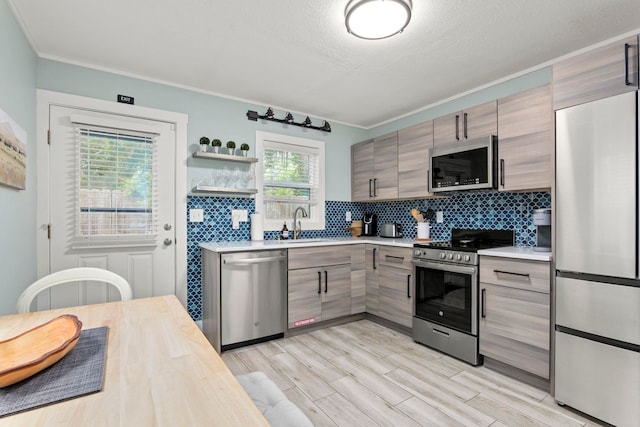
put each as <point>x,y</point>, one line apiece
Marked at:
<point>442,255</point>
<point>458,257</point>
<point>467,258</point>
<point>416,252</point>
<point>450,256</point>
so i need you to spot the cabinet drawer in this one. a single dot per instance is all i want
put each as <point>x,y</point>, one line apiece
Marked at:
<point>396,257</point>
<point>515,273</point>
<point>319,256</point>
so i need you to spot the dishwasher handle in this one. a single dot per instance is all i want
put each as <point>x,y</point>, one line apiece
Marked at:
<point>249,261</point>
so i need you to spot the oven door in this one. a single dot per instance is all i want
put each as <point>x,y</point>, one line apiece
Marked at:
<point>447,294</point>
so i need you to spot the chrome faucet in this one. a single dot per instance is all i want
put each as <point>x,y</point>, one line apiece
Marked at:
<point>297,226</point>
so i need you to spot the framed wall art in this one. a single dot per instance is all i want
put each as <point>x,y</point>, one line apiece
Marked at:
<point>13,153</point>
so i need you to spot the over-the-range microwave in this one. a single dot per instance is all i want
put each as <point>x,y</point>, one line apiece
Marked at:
<point>464,165</point>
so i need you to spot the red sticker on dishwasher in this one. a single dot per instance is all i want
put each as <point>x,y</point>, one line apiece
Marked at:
<point>304,322</point>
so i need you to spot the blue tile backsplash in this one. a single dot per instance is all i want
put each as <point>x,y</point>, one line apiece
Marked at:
<point>470,209</point>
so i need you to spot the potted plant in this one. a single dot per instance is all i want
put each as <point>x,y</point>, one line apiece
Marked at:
<point>245,149</point>
<point>231,147</point>
<point>204,143</point>
<point>216,144</point>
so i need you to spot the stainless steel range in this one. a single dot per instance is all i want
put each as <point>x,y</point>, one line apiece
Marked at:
<point>446,301</point>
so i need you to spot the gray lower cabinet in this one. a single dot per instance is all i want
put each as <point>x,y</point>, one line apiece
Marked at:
<point>515,313</point>
<point>372,253</point>
<point>358,277</point>
<point>395,285</point>
<point>319,284</point>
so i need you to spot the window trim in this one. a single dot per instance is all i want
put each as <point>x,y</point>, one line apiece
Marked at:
<point>307,223</point>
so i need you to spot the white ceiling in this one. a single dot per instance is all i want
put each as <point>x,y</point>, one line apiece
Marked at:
<point>296,54</point>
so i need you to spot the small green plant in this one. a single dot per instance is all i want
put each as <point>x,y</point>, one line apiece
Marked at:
<point>231,144</point>
<point>204,140</point>
<point>216,143</point>
<point>244,147</point>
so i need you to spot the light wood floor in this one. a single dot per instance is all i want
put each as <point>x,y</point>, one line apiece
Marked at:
<point>363,374</point>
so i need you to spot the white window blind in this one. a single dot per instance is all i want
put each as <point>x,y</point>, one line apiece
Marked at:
<point>116,190</point>
<point>290,180</point>
<point>290,175</point>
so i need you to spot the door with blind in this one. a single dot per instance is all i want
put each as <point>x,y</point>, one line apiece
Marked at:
<point>112,187</point>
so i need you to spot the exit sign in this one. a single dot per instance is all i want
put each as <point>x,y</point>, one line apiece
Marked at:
<point>125,99</point>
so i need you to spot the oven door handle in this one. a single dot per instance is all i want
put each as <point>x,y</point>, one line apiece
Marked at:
<point>462,269</point>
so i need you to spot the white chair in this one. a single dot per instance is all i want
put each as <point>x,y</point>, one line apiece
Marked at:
<point>73,275</point>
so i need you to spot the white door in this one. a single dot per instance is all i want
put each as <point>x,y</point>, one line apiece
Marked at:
<point>112,190</point>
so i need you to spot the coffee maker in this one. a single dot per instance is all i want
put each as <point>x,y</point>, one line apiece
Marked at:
<point>542,221</point>
<point>370,224</point>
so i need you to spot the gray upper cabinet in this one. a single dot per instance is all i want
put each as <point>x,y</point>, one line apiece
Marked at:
<point>385,161</point>
<point>374,169</point>
<point>362,171</point>
<point>414,144</point>
<point>525,149</point>
<point>471,123</point>
<point>603,72</point>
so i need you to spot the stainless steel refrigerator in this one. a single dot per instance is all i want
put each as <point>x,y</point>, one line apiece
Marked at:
<point>597,330</point>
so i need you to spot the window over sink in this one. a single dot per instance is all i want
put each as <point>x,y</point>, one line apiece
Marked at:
<point>290,174</point>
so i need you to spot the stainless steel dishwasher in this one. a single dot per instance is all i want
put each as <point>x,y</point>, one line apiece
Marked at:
<point>253,297</point>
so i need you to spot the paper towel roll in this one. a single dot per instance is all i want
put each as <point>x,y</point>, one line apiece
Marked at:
<point>257,227</point>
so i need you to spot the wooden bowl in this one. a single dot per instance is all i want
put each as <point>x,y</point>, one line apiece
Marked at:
<point>38,348</point>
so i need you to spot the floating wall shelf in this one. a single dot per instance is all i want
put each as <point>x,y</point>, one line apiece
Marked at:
<point>227,157</point>
<point>204,189</point>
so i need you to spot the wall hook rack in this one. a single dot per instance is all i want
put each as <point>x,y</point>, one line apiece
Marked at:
<point>288,119</point>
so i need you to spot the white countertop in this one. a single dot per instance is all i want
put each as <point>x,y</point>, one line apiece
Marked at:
<point>519,252</point>
<point>250,245</point>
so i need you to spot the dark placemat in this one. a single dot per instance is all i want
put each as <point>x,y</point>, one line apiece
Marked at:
<point>80,372</point>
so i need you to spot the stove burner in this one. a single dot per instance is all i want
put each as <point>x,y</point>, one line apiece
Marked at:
<point>471,240</point>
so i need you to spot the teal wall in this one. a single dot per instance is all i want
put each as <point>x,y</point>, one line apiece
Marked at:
<point>17,207</point>
<point>209,115</point>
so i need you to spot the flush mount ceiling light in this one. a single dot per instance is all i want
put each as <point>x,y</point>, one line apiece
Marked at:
<point>377,19</point>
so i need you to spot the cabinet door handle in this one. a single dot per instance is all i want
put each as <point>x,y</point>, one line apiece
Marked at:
<point>483,302</point>
<point>319,283</point>
<point>375,187</point>
<point>502,172</point>
<point>464,125</point>
<point>408,286</point>
<point>512,273</point>
<point>370,194</point>
<point>626,64</point>
<point>375,267</point>
<point>326,282</point>
<point>457,127</point>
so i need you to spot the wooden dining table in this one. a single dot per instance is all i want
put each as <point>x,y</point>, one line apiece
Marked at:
<point>160,370</point>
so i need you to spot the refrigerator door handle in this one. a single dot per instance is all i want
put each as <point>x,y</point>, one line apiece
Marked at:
<point>627,82</point>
